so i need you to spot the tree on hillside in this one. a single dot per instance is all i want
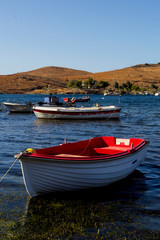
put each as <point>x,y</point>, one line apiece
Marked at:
<point>75,84</point>
<point>116,85</point>
<point>127,86</point>
<point>103,84</point>
<point>89,83</point>
<point>135,88</point>
<point>153,86</point>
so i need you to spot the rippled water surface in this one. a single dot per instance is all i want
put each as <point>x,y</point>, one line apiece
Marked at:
<point>130,208</point>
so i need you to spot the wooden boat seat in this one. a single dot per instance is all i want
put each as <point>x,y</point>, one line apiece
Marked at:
<point>69,155</point>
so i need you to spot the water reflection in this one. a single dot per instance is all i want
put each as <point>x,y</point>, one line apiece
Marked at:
<point>78,215</point>
<point>71,121</point>
<point>120,209</point>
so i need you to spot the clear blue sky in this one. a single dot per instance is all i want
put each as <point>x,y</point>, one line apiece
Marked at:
<point>90,35</point>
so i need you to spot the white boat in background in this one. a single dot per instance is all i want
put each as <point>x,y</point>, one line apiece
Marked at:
<point>95,162</point>
<point>147,93</point>
<point>18,107</point>
<point>97,112</point>
<point>111,94</point>
<point>157,94</point>
<point>77,99</point>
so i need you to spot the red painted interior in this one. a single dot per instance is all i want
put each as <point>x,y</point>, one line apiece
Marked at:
<point>90,148</point>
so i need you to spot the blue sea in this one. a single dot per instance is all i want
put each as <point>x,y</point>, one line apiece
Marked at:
<point>125,210</point>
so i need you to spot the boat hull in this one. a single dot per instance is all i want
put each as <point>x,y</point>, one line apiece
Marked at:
<point>51,175</point>
<point>83,99</point>
<point>110,112</point>
<point>18,108</point>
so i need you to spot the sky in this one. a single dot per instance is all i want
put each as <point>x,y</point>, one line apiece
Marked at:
<point>89,35</point>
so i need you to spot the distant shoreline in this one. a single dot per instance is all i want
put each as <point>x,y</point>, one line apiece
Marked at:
<point>55,80</point>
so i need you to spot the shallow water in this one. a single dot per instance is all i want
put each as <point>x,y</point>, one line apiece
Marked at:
<point>130,208</point>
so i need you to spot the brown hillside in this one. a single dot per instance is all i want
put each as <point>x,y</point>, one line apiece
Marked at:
<point>142,75</point>
<point>57,78</point>
<point>54,77</point>
<point>58,72</point>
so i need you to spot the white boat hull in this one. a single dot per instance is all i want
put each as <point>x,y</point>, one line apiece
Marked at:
<point>77,113</point>
<point>51,175</point>
<point>17,107</point>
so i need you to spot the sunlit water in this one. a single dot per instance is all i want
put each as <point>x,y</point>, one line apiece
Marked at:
<point>137,197</point>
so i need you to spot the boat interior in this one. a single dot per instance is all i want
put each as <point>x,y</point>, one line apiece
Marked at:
<point>93,147</point>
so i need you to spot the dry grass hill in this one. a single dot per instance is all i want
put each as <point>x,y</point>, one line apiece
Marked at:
<point>57,78</point>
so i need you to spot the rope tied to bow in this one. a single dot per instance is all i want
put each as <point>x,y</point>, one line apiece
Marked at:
<point>17,157</point>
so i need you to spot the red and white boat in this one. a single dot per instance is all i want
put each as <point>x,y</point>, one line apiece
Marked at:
<point>77,99</point>
<point>55,112</point>
<point>86,164</point>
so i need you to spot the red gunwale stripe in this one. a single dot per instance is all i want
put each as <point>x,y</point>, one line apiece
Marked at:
<point>76,113</point>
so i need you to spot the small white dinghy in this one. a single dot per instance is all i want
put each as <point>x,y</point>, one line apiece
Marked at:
<point>19,107</point>
<point>86,164</point>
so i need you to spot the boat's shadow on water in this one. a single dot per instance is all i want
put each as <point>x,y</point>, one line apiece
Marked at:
<point>71,121</point>
<point>74,213</point>
<point>132,187</point>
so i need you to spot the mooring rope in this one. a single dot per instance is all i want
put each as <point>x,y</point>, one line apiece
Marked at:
<point>17,157</point>
<point>86,146</point>
<point>29,104</point>
<point>115,109</point>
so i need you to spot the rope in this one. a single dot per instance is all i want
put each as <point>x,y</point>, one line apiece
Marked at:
<point>86,146</point>
<point>110,115</point>
<point>28,105</point>
<point>2,107</point>
<point>119,100</point>
<point>115,110</point>
<point>17,157</point>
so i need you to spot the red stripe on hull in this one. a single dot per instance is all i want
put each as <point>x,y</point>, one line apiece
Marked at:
<point>77,113</point>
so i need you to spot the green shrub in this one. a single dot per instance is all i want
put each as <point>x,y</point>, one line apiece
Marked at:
<point>75,84</point>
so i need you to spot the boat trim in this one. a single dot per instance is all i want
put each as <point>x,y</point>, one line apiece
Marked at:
<point>79,158</point>
<point>100,111</point>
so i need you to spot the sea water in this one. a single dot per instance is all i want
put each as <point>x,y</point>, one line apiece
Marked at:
<point>131,206</point>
